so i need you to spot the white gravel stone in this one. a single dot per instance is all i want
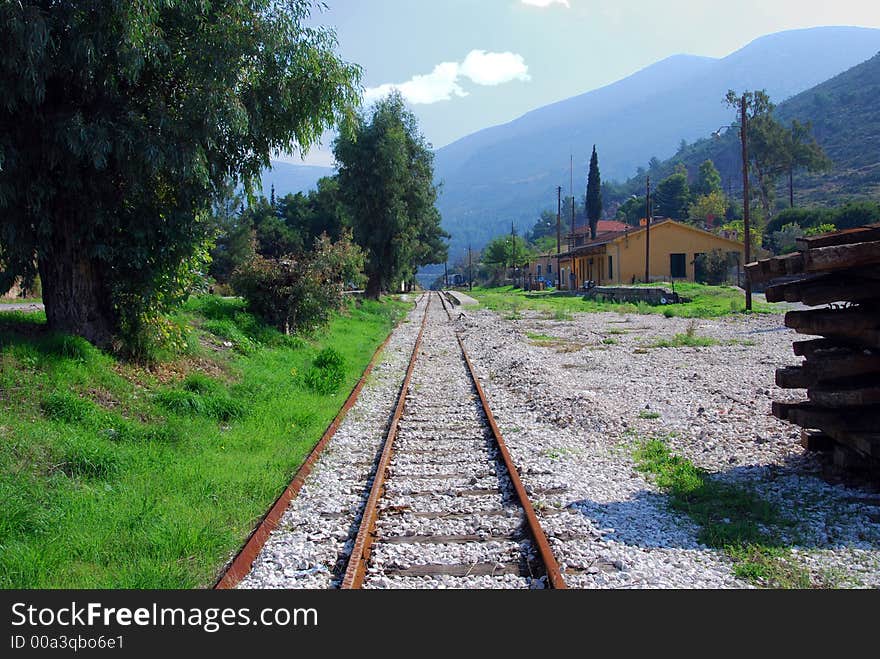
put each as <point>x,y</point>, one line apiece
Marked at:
<point>572,412</point>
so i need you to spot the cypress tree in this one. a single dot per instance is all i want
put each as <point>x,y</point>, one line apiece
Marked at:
<point>594,194</point>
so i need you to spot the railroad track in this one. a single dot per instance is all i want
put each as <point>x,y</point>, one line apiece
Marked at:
<point>446,503</point>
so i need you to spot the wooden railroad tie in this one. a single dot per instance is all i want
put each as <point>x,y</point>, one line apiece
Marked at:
<point>841,370</point>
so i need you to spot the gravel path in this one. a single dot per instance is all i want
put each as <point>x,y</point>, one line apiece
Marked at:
<point>574,398</point>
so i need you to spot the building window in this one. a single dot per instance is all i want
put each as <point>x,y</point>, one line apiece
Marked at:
<point>549,268</point>
<point>539,269</point>
<point>610,267</point>
<point>678,266</point>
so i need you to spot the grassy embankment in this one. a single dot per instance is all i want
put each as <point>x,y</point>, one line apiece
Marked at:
<point>706,302</point>
<point>114,475</point>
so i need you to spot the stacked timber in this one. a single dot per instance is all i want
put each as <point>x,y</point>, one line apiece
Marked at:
<point>839,272</point>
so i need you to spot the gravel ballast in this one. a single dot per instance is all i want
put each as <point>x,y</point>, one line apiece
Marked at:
<point>573,409</point>
<point>573,402</point>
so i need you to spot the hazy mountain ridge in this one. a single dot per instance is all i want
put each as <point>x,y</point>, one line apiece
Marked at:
<point>510,172</point>
<point>845,115</point>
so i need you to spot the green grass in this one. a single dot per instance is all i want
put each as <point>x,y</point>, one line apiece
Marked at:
<point>20,300</point>
<point>706,302</point>
<point>114,475</point>
<point>647,414</point>
<point>731,518</point>
<point>685,341</point>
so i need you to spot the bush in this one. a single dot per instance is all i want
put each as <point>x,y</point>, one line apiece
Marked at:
<point>712,268</point>
<point>298,293</point>
<point>327,374</point>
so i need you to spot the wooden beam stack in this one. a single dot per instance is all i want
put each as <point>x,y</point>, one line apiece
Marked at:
<point>841,370</point>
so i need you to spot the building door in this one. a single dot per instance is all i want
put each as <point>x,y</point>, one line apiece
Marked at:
<point>678,266</point>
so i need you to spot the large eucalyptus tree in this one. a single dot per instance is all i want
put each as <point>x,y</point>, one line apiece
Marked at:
<point>121,119</point>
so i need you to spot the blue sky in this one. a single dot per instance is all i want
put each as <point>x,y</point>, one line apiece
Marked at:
<point>465,65</point>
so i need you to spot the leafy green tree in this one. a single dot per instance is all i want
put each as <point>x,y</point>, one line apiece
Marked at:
<point>386,178</point>
<point>120,121</point>
<point>712,267</point>
<point>275,237</point>
<point>545,245</point>
<point>672,197</point>
<point>594,193</point>
<point>801,151</point>
<point>545,226</point>
<point>632,210</point>
<point>765,142</point>
<point>708,208</point>
<point>708,179</point>
<point>507,251</point>
<point>738,230</point>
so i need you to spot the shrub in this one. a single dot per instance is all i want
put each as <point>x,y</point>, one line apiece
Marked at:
<point>298,293</point>
<point>712,268</point>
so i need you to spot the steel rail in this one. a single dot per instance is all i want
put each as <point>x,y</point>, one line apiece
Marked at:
<point>554,574</point>
<point>357,566</point>
<point>241,565</point>
<point>360,553</point>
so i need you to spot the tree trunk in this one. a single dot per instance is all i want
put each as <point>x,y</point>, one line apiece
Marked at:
<point>374,286</point>
<point>75,293</point>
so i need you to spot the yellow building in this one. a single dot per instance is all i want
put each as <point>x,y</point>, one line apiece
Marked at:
<point>618,257</point>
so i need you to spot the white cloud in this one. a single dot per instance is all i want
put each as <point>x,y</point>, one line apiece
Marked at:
<point>439,85</point>
<point>546,3</point>
<point>442,84</point>
<point>494,68</point>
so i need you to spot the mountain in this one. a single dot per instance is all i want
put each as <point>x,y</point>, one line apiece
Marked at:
<point>510,172</point>
<point>290,179</point>
<point>846,122</point>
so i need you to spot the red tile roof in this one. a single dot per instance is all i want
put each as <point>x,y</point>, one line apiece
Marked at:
<point>603,226</point>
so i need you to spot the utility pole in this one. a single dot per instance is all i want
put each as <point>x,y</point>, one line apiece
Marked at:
<point>746,203</point>
<point>648,231</point>
<point>513,251</point>
<point>573,231</point>
<point>470,270</point>
<point>558,236</point>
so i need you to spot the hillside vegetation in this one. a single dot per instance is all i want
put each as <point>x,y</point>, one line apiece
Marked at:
<point>846,123</point>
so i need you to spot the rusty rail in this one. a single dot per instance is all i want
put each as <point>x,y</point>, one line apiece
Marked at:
<point>241,565</point>
<point>554,574</point>
<point>356,570</point>
<point>360,553</point>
